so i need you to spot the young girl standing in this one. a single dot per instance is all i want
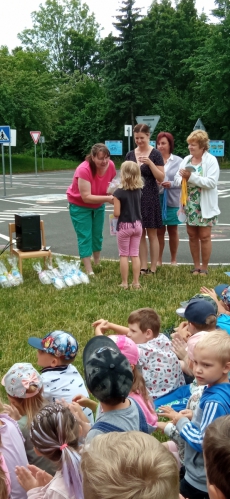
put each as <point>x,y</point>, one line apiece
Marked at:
<point>127,207</point>
<point>55,435</point>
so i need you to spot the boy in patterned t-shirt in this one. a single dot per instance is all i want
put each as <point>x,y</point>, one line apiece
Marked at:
<point>160,366</point>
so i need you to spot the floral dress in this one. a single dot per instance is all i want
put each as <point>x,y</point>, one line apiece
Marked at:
<point>192,208</point>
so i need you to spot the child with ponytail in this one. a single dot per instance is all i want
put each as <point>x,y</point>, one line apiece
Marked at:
<point>55,435</point>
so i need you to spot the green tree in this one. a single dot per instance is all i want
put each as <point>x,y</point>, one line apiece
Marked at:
<point>211,68</point>
<point>53,25</point>
<point>27,91</point>
<point>127,79</point>
<point>175,34</point>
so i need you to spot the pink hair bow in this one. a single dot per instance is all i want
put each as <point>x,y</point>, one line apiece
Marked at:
<point>32,379</point>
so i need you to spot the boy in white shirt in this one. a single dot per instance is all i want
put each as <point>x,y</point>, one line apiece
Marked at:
<point>160,366</point>
<point>61,380</point>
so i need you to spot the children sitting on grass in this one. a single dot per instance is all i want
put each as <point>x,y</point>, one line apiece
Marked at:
<point>211,367</point>
<point>61,380</point>
<point>217,458</point>
<point>160,366</point>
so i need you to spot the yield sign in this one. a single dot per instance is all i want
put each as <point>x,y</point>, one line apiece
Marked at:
<point>151,121</point>
<point>35,136</point>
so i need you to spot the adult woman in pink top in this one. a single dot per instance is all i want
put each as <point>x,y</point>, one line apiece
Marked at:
<point>87,196</point>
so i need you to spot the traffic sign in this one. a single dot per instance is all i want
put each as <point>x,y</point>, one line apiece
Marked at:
<point>216,147</point>
<point>115,147</point>
<point>151,121</point>
<point>13,139</point>
<point>35,136</point>
<point>128,130</point>
<point>4,134</point>
<point>42,140</point>
<point>199,125</point>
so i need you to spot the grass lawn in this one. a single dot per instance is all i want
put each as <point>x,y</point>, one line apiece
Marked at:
<point>22,163</point>
<point>36,309</point>
<point>33,309</point>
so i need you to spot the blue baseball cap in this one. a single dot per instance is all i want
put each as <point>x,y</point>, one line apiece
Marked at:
<point>198,311</point>
<point>57,343</point>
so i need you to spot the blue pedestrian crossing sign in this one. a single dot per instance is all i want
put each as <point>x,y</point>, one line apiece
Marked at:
<point>4,134</point>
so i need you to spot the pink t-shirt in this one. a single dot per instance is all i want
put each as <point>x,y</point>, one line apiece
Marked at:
<point>151,417</point>
<point>99,185</point>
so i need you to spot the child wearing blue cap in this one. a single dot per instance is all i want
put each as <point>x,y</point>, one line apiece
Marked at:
<point>61,380</point>
<point>223,292</point>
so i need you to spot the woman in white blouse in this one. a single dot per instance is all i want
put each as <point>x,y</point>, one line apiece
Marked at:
<point>200,169</point>
<point>170,200</point>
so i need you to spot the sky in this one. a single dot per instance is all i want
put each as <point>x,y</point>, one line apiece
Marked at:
<point>15,15</point>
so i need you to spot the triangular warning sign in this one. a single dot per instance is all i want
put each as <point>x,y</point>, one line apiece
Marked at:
<point>35,136</point>
<point>3,135</point>
<point>199,125</point>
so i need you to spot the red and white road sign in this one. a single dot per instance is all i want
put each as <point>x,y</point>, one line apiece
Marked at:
<point>35,136</point>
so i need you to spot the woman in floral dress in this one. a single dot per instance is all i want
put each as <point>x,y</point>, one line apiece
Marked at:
<point>201,171</point>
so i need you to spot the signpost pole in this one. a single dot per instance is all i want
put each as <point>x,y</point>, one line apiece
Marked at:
<point>35,157</point>
<point>128,139</point>
<point>10,162</point>
<point>42,155</point>
<point>3,171</point>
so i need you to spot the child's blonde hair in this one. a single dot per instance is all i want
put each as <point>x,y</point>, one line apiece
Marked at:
<point>29,407</point>
<point>218,341</point>
<point>129,465</point>
<point>131,176</point>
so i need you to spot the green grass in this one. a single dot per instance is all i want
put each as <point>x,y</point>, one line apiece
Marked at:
<point>22,163</point>
<point>33,309</point>
<point>36,309</point>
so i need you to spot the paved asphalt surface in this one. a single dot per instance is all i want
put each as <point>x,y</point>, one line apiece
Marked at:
<point>45,194</point>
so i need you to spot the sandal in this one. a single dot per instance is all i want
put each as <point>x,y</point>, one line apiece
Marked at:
<point>195,271</point>
<point>123,286</point>
<point>204,272</point>
<point>135,286</point>
<point>144,271</point>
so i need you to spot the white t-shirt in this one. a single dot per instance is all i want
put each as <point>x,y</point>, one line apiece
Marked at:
<point>160,366</point>
<point>64,382</point>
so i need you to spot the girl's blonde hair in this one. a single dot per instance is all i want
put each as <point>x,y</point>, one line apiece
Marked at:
<point>29,406</point>
<point>129,465</point>
<point>131,176</point>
